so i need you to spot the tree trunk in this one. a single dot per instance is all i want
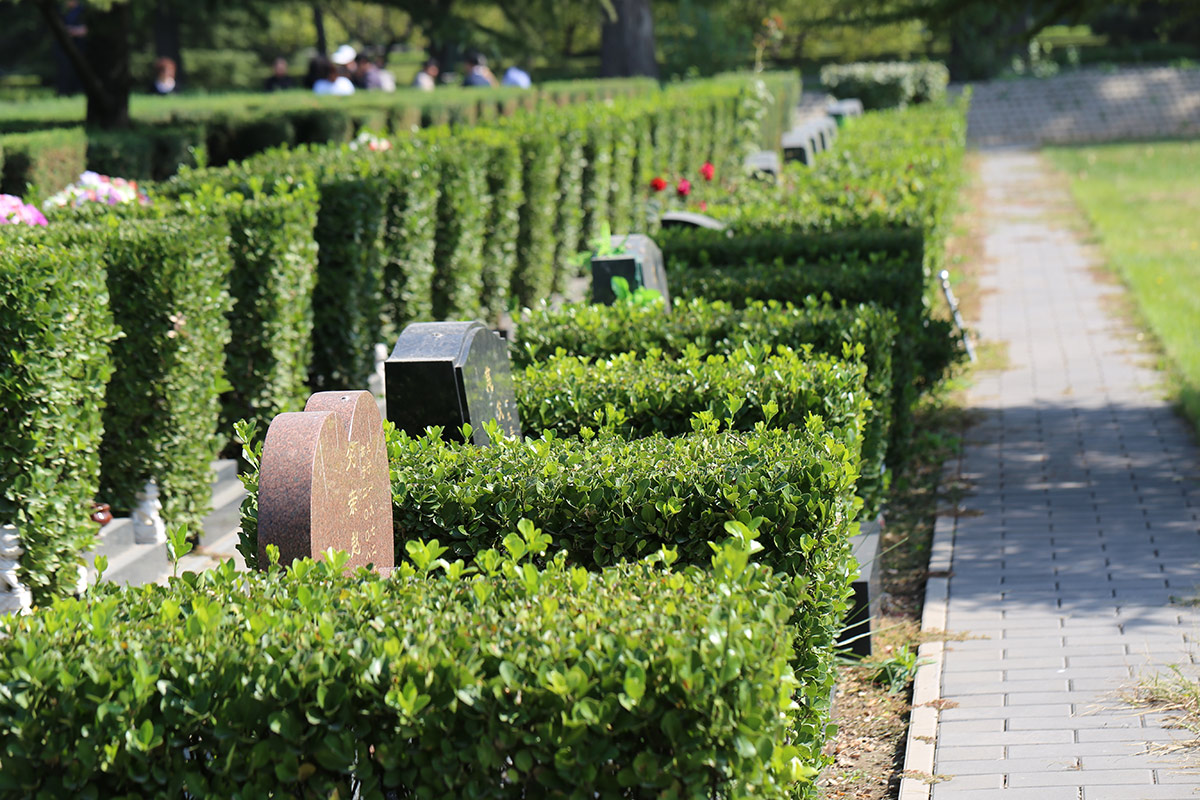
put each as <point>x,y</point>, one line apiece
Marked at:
<point>627,42</point>
<point>319,24</point>
<point>166,35</point>
<point>108,53</point>
<point>104,70</point>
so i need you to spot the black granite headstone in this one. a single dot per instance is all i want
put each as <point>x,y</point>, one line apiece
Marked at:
<point>859,628</point>
<point>640,263</point>
<point>690,219</point>
<point>448,373</point>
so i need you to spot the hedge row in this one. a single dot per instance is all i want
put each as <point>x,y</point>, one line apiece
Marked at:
<point>296,262</point>
<point>57,329</point>
<point>867,223</point>
<point>864,333</point>
<point>229,127</point>
<point>170,299</point>
<point>887,84</point>
<point>869,266</point>
<point>638,395</point>
<point>633,681</point>
<point>604,500</point>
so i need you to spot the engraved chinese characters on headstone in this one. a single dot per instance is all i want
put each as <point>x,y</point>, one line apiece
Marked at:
<point>639,261</point>
<point>323,482</point>
<point>447,374</point>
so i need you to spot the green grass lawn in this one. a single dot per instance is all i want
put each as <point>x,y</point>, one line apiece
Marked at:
<point>1143,201</point>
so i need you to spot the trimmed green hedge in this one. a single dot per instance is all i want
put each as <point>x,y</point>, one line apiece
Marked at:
<point>236,125</point>
<point>348,299</point>
<point>718,327</point>
<point>170,298</point>
<point>541,160</point>
<point>887,84</point>
<point>271,282</point>
<point>871,266</point>
<point>462,216</point>
<point>413,175</point>
<point>38,164</point>
<point>568,230</point>
<point>635,681</point>
<point>503,225</point>
<point>639,395</point>
<point>55,361</point>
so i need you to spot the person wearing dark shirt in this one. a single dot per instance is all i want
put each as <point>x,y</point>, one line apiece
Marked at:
<point>477,72</point>
<point>280,80</point>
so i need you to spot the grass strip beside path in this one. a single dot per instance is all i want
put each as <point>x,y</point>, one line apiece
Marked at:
<point>1143,202</point>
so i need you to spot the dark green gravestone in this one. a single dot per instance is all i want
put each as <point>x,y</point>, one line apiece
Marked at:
<point>640,263</point>
<point>447,374</point>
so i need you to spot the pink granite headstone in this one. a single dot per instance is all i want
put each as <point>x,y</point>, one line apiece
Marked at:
<point>323,482</point>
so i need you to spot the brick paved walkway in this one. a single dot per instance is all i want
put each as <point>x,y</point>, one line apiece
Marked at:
<point>1080,529</point>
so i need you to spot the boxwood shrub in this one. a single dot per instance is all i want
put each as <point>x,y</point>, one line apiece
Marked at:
<point>639,395</point>
<point>39,163</point>
<point>882,267</point>
<point>348,298</point>
<point>503,225</point>
<point>635,681</point>
<point>412,173</point>
<point>170,298</point>
<point>597,175</point>
<point>719,327</point>
<point>55,362</point>
<point>463,213</point>
<point>541,160</point>
<point>273,273</point>
<point>568,229</point>
<point>887,84</point>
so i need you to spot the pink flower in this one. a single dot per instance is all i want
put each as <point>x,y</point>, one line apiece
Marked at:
<point>658,184</point>
<point>684,187</point>
<point>707,170</point>
<point>703,206</point>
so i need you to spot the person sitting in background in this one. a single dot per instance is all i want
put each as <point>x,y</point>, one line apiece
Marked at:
<point>345,57</point>
<point>426,78</point>
<point>164,75</point>
<point>374,76</point>
<point>477,73</point>
<point>335,81</point>
<point>279,79</point>
<point>515,76</point>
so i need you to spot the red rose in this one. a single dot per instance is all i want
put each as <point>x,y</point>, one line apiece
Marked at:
<point>684,188</point>
<point>707,171</point>
<point>658,184</point>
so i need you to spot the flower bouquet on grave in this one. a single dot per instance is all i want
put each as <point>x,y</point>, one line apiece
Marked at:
<point>370,141</point>
<point>93,187</point>
<point>14,211</point>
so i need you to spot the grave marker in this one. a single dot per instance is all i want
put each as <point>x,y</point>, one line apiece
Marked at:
<point>689,219</point>
<point>323,482</point>
<point>640,264</point>
<point>798,145</point>
<point>841,109</point>
<point>764,164</point>
<point>447,374</point>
